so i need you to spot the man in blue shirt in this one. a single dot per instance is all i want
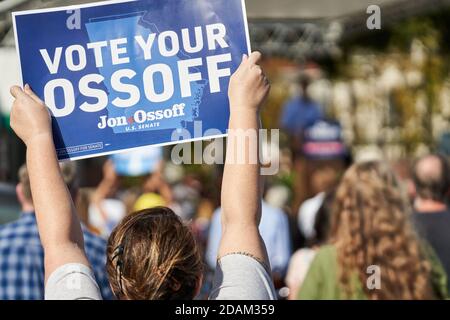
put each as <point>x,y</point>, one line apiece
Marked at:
<point>274,228</point>
<point>300,111</point>
<point>22,255</point>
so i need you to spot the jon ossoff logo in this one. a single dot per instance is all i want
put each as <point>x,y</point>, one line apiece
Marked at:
<point>142,117</point>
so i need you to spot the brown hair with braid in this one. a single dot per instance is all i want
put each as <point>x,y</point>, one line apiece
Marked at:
<point>372,226</point>
<point>152,255</point>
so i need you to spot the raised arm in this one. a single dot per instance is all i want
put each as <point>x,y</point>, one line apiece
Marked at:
<point>58,224</point>
<point>241,188</point>
<point>107,186</point>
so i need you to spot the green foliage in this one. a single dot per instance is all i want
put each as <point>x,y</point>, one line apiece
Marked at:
<point>421,28</point>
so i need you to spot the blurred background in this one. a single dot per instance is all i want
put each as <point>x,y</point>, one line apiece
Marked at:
<point>341,92</point>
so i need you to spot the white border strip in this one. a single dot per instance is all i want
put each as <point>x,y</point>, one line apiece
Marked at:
<point>16,39</point>
<point>71,7</point>
<point>205,138</point>
<point>247,33</point>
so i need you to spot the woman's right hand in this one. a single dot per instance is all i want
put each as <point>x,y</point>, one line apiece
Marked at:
<point>30,118</point>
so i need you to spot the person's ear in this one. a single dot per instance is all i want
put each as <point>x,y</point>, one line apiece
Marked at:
<point>19,193</point>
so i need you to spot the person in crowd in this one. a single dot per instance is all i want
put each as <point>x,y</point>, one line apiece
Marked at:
<point>151,254</point>
<point>274,229</point>
<point>323,180</point>
<point>105,210</point>
<point>156,192</point>
<point>155,184</point>
<point>374,252</point>
<point>300,111</point>
<point>302,258</point>
<point>431,175</point>
<point>21,251</point>
<point>186,196</point>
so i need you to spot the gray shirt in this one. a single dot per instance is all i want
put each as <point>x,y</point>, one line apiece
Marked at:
<point>237,277</point>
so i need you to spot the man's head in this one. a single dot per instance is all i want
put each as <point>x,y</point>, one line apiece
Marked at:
<point>152,255</point>
<point>23,189</point>
<point>304,81</point>
<point>431,176</point>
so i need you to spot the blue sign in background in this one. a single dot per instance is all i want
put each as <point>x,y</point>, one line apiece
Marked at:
<point>48,30</point>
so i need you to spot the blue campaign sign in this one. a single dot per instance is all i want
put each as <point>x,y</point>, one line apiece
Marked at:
<point>119,75</point>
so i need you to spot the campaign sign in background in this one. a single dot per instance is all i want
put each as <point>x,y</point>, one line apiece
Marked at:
<point>84,123</point>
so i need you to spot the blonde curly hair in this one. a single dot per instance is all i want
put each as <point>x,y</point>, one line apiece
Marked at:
<point>372,226</point>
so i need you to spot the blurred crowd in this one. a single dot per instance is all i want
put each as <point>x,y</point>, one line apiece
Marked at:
<point>334,228</point>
